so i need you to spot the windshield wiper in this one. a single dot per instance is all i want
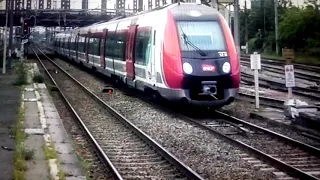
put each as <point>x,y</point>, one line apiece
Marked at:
<point>192,45</point>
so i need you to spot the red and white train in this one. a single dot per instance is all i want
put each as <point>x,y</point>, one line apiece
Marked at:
<point>182,52</point>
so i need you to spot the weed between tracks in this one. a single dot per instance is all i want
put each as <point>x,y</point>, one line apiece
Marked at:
<point>21,155</point>
<point>21,70</point>
<point>51,154</point>
<point>38,78</point>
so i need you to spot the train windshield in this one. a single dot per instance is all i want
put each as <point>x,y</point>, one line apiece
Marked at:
<point>201,35</point>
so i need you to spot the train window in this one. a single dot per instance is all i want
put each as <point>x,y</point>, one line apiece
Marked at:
<point>117,46</point>
<point>62,43</point>
<point>206,35</point>
<point>74,41</point>
<point>94,46</point>
<point>86,43</point>
<point>110,45</point>
<point>70,42</point>
<point>143,45</point>
<point>90,49</point>
<point>65,43</point>
<point>121,38</point>
<point>81,44</point>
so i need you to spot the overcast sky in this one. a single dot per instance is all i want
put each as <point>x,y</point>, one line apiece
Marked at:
<point>96,4</point>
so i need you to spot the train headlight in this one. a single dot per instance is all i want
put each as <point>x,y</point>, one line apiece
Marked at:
<point>226,67</point>
<point>187,68</point>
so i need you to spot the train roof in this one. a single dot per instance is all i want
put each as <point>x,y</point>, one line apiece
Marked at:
<point>180,10</point>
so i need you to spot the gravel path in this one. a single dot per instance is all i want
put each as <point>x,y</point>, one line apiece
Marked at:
<point>207,155</point>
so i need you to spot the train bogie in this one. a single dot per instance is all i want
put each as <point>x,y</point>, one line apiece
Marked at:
<point>180,52</point>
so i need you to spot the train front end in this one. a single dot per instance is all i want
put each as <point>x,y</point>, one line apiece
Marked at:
<point>203,69</point>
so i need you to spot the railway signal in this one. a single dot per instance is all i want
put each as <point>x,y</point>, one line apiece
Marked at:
<point>109,90</point>
<point>255,61</point>
<point>26,27</point>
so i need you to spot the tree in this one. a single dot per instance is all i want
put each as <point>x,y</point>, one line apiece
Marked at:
<point>299,29</point>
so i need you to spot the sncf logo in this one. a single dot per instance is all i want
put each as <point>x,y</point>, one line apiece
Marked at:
<point>207,67</point>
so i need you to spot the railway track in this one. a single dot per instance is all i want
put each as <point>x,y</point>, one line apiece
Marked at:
<point>293,157</point>
<point>126,150</point>
<point>281,63</point>
<point>298,159</point>
<point>280,70</point>
<point>263,82</point>
<point>268,101</point>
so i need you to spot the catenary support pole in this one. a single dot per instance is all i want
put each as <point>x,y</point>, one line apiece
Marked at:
<point>246,26</point>
<point>5,45</point>
<point>236,26</point>
<point>214,4</point>
<point>10,34</point>
<point>276,26</point>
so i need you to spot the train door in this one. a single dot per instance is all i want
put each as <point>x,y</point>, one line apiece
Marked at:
<point>150,53</point>
<point>130,51</point>
<point>77,46</point>
<point>102,48</point>
<point>87,38</point>
<point>69,47</point>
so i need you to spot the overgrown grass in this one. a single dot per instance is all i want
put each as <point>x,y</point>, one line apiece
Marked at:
<point>21,70</point>
<point>50,153</point>
<point>52,87</point>
<point>21,154</point>
<point>83,161</point>
<point>299,58</point>
<point>38,78</point>
<point>19,161</point>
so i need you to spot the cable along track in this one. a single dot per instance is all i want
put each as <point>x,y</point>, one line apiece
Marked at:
<point>129,152</point>
<point>291,156</point>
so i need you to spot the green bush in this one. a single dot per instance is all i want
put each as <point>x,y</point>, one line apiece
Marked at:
<point>21,70</point>
<point>38,78</point>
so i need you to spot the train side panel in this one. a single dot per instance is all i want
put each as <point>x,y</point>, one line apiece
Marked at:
<point>151,52</point>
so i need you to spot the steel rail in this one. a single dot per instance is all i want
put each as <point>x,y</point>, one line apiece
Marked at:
<point>75,114</point>
<point>280,86</point>
<point>162,151</point>
<point>280,70</point>
<point>279,62</point>
<point>280,164</point>
<point>274,161</point>
<point>307,147</point>
<point>272,102</point>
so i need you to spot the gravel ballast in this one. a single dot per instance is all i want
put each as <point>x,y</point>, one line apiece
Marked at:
<point>207,155</point>
<point>84,150</point>
<point>240,109</point>
<point>132,157</point>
